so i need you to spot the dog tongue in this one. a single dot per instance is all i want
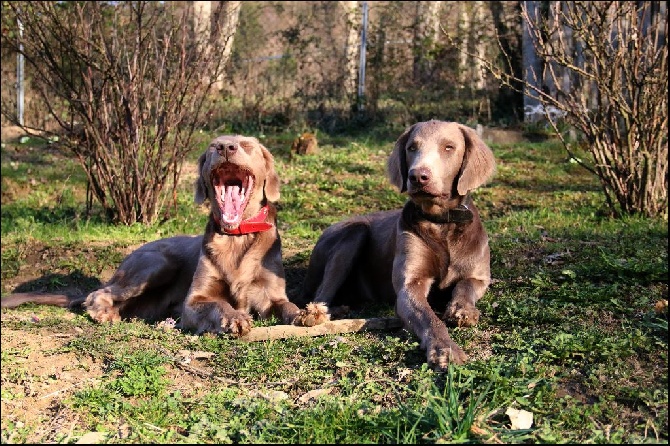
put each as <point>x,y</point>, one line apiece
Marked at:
<point>232,203</point>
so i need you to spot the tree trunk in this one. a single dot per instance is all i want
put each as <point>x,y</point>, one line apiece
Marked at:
<point>426,32</point>
<point>559,74</point>
<point>218,19</point>
<point>507,20</point>
<point>472,15</point>
<point>351,49</point>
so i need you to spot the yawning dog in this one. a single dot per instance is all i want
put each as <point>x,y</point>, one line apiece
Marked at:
<point>213,282</point>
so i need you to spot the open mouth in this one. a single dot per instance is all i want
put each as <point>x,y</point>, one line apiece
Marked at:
<point>232,186</point>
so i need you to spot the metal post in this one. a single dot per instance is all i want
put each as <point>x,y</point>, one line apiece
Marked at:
<point>19,74</point>
<point>361,65</point>
<point>532,74</point>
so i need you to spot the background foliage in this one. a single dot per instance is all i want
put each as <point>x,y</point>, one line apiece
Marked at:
<point>298,66</point>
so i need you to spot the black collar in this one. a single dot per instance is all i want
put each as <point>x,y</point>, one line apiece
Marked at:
<point>459,214</point>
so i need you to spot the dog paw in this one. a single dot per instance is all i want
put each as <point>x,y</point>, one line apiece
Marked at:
<point>461,315</point>
<point>236,324</point>
<point>441,353</point>
<point>100,306</point>
<point>313,314</point>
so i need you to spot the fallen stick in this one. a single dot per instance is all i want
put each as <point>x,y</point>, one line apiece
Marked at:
<point>330,327</point>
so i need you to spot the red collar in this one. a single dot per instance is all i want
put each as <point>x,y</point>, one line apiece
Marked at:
<point>256,223</point>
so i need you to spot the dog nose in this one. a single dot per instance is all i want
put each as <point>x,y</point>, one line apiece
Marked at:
<point>227,148</point>
<point>420,176</point>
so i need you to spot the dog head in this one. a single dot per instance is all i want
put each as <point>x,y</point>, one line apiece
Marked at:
<point>436,160</point>
<point>237,175</point>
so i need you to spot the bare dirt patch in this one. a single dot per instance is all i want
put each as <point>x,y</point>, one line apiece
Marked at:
<point>11,132</point>
<point>42,374</point>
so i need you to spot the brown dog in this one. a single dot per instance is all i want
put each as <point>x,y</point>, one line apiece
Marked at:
<point>215,281</point>
<point>433,253</point>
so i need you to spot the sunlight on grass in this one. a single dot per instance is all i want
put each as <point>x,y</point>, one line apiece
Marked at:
<point>570,328</point>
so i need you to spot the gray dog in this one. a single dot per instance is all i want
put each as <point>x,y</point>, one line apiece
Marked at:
<point>432,251</point>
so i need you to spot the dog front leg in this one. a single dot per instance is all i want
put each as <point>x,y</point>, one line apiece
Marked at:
<point>290,314</point>
<point>203,314</point>
<point>313,314</point>
<point>461,310</point>
<point>207,307</point>
<point>422,321</point>
<point>414,310</point>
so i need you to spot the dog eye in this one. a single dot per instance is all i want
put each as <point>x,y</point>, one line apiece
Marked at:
<point>246,145</point>
<point>411,148</point>
<point>449,147</point>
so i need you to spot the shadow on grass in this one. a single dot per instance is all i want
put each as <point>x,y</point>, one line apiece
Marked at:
<point>46,215</point>
<point>548,185</point>
<point>75,284</point>
<point>349,167</point>
<point>38,152</point>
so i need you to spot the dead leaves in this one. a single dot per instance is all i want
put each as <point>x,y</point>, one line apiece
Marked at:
<point>186,356</point>
<point>314,394</point>
<point>92,438</point>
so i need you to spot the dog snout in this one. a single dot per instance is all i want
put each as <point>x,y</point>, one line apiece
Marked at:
<point>227,148</point>
<point>420,176</point>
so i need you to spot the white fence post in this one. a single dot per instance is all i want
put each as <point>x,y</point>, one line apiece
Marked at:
<point>19,74</point>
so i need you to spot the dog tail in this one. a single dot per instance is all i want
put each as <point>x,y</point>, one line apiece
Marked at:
<point>59,300</point>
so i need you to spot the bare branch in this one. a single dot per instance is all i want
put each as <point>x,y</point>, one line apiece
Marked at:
<point>605,69</point>
<point>128,84</point>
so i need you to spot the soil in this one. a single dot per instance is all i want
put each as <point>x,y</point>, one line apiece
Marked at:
<point>43,373</point>
<point>47,375</point>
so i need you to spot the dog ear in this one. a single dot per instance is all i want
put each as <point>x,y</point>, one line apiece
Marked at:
<point>478,163</point>
<point>396,166</point>
<point>271,186</point>
<point>200,186</point>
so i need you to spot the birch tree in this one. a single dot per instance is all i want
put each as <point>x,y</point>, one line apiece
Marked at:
<point>218,20</point>
<point>351,48</point>
<point>426,32</point>
<point>471,70</point>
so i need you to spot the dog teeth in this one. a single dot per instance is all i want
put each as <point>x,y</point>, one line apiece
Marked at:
<point>233,192</point>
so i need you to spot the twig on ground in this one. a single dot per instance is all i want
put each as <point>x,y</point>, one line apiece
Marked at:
<point>330,327</point>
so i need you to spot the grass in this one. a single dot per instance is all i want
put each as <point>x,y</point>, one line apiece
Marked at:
<point>569,328</point>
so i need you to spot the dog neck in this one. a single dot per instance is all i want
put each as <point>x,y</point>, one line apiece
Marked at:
<point>459,214</point>
<point>251,225</point>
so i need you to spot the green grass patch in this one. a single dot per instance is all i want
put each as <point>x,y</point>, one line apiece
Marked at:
<point>571,328</point>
